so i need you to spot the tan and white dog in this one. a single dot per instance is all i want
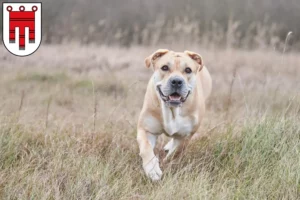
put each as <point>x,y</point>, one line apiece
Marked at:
<point>174,104</point>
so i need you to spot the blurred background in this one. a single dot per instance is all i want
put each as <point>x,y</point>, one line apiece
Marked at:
<point>225,23</point>
<point>68,112</point>
<point>97,48</point>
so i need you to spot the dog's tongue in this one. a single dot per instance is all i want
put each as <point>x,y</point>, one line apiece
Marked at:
<point>175,97</point>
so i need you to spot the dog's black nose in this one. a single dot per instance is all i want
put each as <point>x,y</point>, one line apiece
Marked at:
<point>176,82</point>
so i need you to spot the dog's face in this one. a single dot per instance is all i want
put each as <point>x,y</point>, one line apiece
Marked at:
<point>174,74</point>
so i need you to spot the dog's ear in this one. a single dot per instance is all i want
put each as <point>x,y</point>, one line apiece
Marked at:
<point>157,54</point>
<point>196,57</point>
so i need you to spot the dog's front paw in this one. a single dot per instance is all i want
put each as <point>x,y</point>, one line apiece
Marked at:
<point>152,169</point>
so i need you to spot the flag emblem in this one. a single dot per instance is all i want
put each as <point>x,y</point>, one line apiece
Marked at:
<point>22,30</point>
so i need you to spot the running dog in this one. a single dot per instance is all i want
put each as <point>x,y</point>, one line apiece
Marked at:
<point>174,104</point>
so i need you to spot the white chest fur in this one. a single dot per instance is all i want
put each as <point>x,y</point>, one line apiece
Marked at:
<point>176,124</point>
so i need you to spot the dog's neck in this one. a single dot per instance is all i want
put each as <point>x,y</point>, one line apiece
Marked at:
<point>170,113</point>
<point>174,122</point>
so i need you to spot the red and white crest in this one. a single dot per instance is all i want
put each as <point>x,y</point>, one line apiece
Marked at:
<point>22,27</point>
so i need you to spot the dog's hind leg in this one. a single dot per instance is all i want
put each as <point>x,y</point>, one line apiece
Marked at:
<point>171,147</point>
<point>175,145</point>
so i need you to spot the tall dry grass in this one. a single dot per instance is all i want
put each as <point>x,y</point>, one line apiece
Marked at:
<point>68,126</point>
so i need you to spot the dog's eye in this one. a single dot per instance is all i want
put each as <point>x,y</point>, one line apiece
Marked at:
<point>165,68</point>
<point>188,70</point>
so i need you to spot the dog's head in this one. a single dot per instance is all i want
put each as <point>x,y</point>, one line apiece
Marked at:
<point>174,74</point>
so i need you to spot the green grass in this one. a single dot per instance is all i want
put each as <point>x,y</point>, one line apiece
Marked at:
<point>107,86</point>
<point>104,87</point>
<point>262,161</point>
<point>43,77</point>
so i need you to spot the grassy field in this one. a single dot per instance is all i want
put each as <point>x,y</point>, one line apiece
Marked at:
<point>68,127</point>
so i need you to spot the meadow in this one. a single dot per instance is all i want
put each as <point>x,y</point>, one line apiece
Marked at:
<point>68,117</point>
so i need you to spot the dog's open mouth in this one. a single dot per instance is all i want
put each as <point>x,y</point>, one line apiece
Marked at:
<point>173,99</point>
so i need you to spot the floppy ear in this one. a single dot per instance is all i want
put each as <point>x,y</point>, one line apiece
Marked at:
<point>157,54</point>
<point>196,57</point>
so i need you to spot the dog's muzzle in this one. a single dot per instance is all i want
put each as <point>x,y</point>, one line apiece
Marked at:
<point>174,99</point>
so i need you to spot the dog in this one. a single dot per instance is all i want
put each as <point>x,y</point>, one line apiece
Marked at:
<point>174,104</point>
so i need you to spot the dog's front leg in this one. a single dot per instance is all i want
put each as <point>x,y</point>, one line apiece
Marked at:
<point>146,143</point>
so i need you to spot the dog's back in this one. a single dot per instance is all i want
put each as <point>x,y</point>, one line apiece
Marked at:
<point>206,82</point>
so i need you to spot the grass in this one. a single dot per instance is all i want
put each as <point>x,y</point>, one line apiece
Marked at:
<point>43,77</point>
<point>261,163</point>
<point>249,149</point>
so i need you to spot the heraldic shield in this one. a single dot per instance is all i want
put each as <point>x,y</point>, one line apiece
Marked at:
<point>22,27</point>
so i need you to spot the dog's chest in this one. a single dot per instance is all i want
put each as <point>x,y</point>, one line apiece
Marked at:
<point>177,125</point>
